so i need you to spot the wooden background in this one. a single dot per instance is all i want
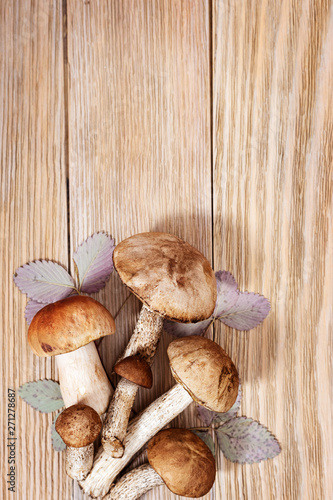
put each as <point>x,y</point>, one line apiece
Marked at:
<point>211,120</point>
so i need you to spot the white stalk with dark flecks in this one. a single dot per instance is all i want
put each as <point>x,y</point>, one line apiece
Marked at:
<point>135,483</point>
<point>79,461</point>
<point>144,343</point>
<point>156,416</point>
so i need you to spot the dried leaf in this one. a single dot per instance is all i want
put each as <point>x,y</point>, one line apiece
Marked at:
<point>93,261</point>
<point>227,292</point>
<point>43,395</point>
<point>207,416</point>
<point>248,311</point>
<point>228,415</point>
<point>244,440</point>
<point>207,439</point>
<point>44,281</point>
<point>183,330</point>
<point>31,309</point>
<point>57,441</point>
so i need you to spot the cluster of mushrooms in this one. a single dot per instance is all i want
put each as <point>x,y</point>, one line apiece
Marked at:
<point>173,280</point>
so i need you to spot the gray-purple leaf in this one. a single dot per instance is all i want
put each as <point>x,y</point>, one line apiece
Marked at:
<point>183,330</point>
<point>248,311</point>
<point>93,260</point>
<point>31,309</point>
<point>207,439</point>
<point>43,395</point>
<point>207,416</point>
<point>227,293</point>
<point>228,415</point>
<point>44,281</point>
<point>244,440</point>
<point>57,441</point>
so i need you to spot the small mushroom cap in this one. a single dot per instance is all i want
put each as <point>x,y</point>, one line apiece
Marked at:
<point>78,425</point>
<point>183,461</point>
<point>168,275</point>
<point>136,370</point>
<point>68,324</point>
<point>205,371</point>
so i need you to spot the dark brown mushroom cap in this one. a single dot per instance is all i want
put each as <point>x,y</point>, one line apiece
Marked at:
<point>136,370</point>
<point>205,371</point>
<point>68,324</point>
<point>168,275</point>
<point>78,425</point>
<point>183,461</point>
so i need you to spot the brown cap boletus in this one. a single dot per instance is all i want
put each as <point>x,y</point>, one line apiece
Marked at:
<point>79,426</point>
<point>135,369</point>
<point>179,459</point>
<point>67,329</point>
<point>173,280</point>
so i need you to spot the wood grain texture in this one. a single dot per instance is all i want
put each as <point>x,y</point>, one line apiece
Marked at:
<point>33,222</point>
<point>272,130</point>
<point>211,120</point>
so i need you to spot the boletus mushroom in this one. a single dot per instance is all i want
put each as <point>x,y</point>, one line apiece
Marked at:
<point>177,458</point>
<point>67,329</point>
<point>79,426</point>
<point>173,280</point>
<point>204,374</point>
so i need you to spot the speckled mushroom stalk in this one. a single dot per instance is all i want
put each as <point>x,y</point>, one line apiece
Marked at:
<point>143,342</point>
<point>204,374</point>
<point>79,426</point>
<point>177,458</point>
<point>174,281</point>
<point>67,329</point>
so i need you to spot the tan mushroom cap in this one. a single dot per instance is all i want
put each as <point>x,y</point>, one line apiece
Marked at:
<point>78,425</point>
<point>168,275</point>
<point>183,461</point>
<point>68,324</point>
<point>205,371</point>
<point>135,369</point>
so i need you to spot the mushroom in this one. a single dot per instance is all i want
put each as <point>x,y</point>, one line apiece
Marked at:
<point>174,281</point>
<point>135,369</point>
<point>67,329</point>
<point>204,374</point>
<point>79,426</point>
<point>179,459</point>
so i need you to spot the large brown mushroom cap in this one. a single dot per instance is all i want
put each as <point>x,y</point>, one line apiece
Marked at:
<point>205,371</point>
<point>183,461</point>
<point>68,324</point>
<point>78,425</point>
<point>168,275</point>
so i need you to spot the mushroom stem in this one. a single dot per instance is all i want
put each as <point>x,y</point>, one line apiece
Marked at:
<point>143,342</point>
<point>156,416</point>
<point>79,461</point>
<point>82,378</point>
<point>135,483</point>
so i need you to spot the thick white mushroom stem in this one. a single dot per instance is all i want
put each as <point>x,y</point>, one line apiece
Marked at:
<point>135,483</point>
<point>82,378</point>
<point>156,416</point>
<point>79,461</point>
<point>144,343</point>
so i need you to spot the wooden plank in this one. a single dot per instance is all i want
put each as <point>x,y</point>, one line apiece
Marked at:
<point>272,133</point>
<point>139,140</point>
<point>33,223</point>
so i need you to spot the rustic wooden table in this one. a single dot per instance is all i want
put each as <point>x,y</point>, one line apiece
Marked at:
<point>211,120</point>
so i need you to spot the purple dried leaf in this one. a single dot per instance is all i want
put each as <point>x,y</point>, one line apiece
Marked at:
<point>207,439</point>
<point>93,261</point>
<point>249,311</point>
<point>244,440</point>
<point>227,292</point>
<point>57,441</point>
<point>44,281</point>
<point>31,309</point>
<point>185,329</point>
<point>228,415</point>
<point>207,416</point>
<point>43,395</point>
